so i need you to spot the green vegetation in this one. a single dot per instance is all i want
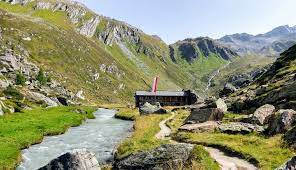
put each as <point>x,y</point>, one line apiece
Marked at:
<point>202,159</point>
<point>178,120</point>
<point>269,152</point>
<point>127,114</point>
<point>13,92</point>
<point>41,77</point>
<point>20,130</point>
<point>143,137</point>
<point>20,79</point>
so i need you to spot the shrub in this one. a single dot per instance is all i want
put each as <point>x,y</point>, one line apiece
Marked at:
<point>20,79</point>
<point>41,77</point>
<point>13,92</point>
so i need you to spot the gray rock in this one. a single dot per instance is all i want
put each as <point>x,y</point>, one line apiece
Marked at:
<point>76,160</point>
<point>262,114</point>
<point>290,137</point>
<point>289,165</point>
<point>40,97</point>
<point>208,126</point>
<point>89,28</point>
<point>228,89</point>
<point>164,157</point>
<point>221,105</point>
<point>281,121</point>
<point>148,108</point>
<point>79,95</point>
<point>203,115</point>
<point>239,128</point>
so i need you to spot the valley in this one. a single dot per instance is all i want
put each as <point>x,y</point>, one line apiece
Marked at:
<point>68,77</point>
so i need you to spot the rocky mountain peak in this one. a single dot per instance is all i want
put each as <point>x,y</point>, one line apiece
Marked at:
<point>192,49</point>
<point>281,30</point>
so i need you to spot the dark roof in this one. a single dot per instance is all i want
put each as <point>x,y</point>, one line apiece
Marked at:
<point>161,93</point>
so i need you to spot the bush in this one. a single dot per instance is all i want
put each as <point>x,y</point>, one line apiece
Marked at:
<point>41,77</point>
<point>20,79</point>
<point>13,92</point>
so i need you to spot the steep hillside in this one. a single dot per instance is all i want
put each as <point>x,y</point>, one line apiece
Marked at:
<point>276,86</point>
<point>201,57</point>
<point>100,58</point>
<point>271,43</point>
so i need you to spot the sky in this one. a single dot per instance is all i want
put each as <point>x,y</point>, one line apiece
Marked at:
<point>174,20</point>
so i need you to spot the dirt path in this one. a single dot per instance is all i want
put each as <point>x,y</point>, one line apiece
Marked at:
<point>229,163</point>
<point>165,131</point>
<point>225,162</point>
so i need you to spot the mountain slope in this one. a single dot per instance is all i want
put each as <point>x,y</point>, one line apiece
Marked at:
<point>201,57</point>
<point>276,86</point>
<point>271,43</point>
<point>101,58</point>
<point>106,59</point>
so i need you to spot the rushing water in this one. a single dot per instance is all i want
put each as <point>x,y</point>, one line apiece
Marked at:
<point>100,135</point>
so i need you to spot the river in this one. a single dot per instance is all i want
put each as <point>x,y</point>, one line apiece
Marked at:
<point>100,135</point>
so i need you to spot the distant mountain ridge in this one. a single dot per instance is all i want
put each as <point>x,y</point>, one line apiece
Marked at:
<point>192,49</point>
<point>271,43</point>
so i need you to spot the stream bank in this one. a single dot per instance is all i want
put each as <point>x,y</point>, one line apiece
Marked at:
<point>100,135</point>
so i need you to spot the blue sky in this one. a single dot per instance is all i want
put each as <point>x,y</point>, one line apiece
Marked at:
<point>174,20</point>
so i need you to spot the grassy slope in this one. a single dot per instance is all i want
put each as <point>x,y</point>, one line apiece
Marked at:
<point>73,59</point>
<point>21,130</point>
<point>269,152</point>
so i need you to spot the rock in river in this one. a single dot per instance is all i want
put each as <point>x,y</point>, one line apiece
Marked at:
<point>164,157</point>
<point>76,160</point>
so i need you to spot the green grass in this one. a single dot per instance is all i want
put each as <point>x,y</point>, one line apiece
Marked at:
<point>178,120</point>
<point>143,138</point>
<point>20,130</point>
<point>269,152</point>
<point>127,114</point>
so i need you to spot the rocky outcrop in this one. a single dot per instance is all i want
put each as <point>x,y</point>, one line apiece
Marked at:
<point>203,115</point>
<point>290,137</point>
<point>239,128</point>
<point>164,157</point>
<point>281,121</point>
<point>262,115</point>
<point>192,49</point>
<point>148,108</point>
<point>38,97</point>
<point>76,160</point>
<point>289,165</point>
<point>228,89</point>
<point>89,28</point>
<point>208,126</point>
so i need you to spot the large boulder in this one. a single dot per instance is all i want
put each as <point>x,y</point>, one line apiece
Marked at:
<point>148,108</point>
<point>203,115</point>
<point>220,104</point>
<point>76,160</point>
<point>213,103</point>
<point>164,157</point>
<point>290,137</point>
<point>228,89</point>
<point>239,128</point>
<point>281,121</point>
<point>289,165</point>
<point>262,114</point>
<point>38,97</point>
<point>208,126</point>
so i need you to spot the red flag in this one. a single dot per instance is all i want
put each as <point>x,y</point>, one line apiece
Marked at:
<point>154,86</point>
